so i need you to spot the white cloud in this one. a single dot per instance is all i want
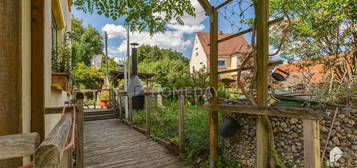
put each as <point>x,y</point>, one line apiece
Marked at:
<point>173,38</point>
<point>186,28</point>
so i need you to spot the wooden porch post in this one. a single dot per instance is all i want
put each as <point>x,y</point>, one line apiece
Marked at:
<point>80,136</point>
<point>10,72</point>
<point>213,121</point>
<point>262,133</point>
<point>37,68</point>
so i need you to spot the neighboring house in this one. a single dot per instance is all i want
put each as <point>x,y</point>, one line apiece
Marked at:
<point>229,53</point>
<point>301,74</point>
<point>29,31</point>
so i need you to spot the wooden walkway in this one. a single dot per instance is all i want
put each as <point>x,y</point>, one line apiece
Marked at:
<point>110,143</point>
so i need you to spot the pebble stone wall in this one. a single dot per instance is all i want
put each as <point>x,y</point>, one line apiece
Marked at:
<point>288,139</point>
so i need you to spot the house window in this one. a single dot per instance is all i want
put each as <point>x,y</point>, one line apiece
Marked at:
<point>53,33</point>
<point>196,54</point>
<point>196,48</point>
<point>221,63</point>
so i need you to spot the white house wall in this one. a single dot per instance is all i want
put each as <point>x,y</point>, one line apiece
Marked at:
<point>53,98</point>
<point>198,57</point>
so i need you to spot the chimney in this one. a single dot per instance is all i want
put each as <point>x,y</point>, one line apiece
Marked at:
<point>135,83</point>
<point>221,32</point>
<point>134,54</point>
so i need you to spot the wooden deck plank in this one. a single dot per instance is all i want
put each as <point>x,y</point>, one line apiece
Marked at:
<point>111,144</point>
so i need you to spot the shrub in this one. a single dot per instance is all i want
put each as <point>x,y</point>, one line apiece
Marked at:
<point>164,122</point>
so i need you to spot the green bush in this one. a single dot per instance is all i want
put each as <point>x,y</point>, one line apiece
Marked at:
<point>90,102</point>
<point>164,125</point>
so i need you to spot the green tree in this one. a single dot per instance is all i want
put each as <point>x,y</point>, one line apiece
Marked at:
<point>318,28</point>
<point>322,28</point>
<point>167,65</point>
<point>112,66</point>
<point>87,42</point>
<point>87,76</point>
<point>139,14</point>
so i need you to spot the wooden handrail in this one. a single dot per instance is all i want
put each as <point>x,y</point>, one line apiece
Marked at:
<point>291,112</point>
<point>18,145</point>
<point>50,152</point>
<point>57,110</point>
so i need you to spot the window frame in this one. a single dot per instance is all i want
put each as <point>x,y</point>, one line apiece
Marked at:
<point>224,61</point>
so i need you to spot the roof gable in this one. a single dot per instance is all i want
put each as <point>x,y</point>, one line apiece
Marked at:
<point>228,47</point>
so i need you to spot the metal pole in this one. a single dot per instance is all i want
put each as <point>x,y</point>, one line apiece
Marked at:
<point>106,55</point>
<point>127,68</point>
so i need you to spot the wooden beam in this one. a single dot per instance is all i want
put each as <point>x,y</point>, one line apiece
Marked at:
<point>181,120</point>
<point>58,110</point>
<point>206,6</point>
<point>10,72</point>
<point>271,64</point>
<point>262,58</point>
<point>148,115</point>
<point>311,143</point>
<point>290,112</point>
<point>37,67</point>
<point>50,152</point>
<point>80,134</point>
<point>130,110</point>
<point>18,145</point>
<point>186,92</point>
<point>223,4</point>
<point>213,83</point>
<point>272,22</point>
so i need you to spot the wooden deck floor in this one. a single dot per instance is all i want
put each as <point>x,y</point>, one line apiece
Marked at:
<point>110,143</point>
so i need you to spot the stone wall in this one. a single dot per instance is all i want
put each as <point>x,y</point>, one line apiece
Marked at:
<point>288,139</point>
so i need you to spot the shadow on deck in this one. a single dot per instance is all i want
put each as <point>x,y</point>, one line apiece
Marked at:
<point>110,143</point>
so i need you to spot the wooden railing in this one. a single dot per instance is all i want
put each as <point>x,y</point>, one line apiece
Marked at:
<point>57,148</point>
<point>50,152</point>
<point>95,93</point>
<point>310,118</point>
<point>19,145</point>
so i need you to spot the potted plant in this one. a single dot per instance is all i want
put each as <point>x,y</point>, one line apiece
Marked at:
<point>60,81</point>
<point>104,99</point>
<point>61,66</point>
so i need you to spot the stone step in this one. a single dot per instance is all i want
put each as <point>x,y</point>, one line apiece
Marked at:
<point>99,117</point>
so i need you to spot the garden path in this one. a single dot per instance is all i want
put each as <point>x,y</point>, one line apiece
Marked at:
<point>111,143</point>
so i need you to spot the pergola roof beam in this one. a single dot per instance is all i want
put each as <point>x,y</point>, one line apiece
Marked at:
<point>224,4</point>
<point>250,29</point>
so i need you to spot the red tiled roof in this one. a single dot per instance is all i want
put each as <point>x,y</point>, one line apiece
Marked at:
<point>308,69</point>
<point>229,47</point>
<point>315,70</point>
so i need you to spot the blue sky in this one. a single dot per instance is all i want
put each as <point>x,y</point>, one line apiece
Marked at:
<point>177,37</point>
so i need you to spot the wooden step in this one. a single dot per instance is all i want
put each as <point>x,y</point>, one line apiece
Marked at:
<point>98,112</point>
<point>99,117</point>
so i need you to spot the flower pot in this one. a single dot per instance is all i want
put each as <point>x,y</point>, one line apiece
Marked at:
<point>60,79</point>
<point>104,103</point>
